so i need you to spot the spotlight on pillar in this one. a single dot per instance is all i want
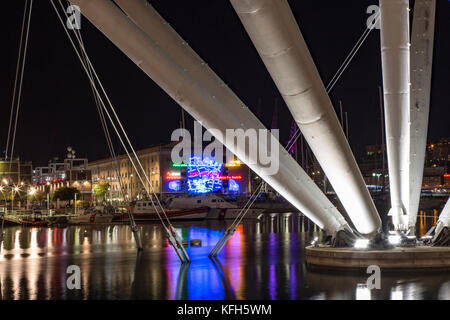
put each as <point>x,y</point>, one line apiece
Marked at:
<point>361,243</point>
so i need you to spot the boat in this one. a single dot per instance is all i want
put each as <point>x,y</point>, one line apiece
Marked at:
<point>35,220</point>
<point>144,211</point>
<point>98,214</point>
<point>221,207</point>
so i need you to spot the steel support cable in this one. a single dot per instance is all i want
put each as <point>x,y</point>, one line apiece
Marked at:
<point>19,95</point>
<point>133,225</point>
<point>88,67</point>
<point>173,237</point>
<point>351,54</point>
<point>230,230</point>
<point>125,135</point>
<point>117,119</point>
<point>19,58</point>
<point>346,62</point>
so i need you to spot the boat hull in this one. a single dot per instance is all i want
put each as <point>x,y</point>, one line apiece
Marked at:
<point>188,214</point>
<point>91,219</point>
<point>232,213</point>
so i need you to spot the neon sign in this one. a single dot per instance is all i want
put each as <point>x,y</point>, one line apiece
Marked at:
<point>203,175</point>
<point>230,177</point>
<point>179,165</point>
<point>173,175</point>
<point>233,164</point>
<point>174,186</point>
<point>233,186</point>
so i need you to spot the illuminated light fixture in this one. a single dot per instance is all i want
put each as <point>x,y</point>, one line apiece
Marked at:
<point>173,175</point>
<point>394,240</point>
<point>361,243</point>
<point>32,191</point>
<point>230,177</point>
<point>174,186</point>
<point>447,175</point>
<point>179,165</point>
<point>233,186</point>
<point>313,243</point>
<point>233,164</point>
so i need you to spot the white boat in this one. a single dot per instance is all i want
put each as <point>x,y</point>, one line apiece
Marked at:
<point>221,207</point>
<point>92,216</point>
<point>145,211</point>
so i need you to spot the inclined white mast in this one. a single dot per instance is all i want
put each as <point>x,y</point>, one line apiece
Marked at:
<point>421,67</point>
<point>175,67</point>
<point>395,54</point>
<point>443,222</point>
<point>279,41</point>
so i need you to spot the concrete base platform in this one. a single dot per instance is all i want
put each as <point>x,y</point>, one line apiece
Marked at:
<point>398,259</point>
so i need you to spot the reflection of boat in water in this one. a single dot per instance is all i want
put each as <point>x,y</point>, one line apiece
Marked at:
<point>221,207</point>
<point>97,214</point>
<point>145,211</point>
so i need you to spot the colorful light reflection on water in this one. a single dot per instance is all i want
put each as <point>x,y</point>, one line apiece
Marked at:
<point>263,260</point>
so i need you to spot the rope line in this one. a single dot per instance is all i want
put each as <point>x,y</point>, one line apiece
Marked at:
<point>19,58</point>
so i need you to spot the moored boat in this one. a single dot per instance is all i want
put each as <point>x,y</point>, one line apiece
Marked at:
<point>144,211</point>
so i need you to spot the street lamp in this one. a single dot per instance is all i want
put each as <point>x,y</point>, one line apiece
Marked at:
<point>15,190</point>
<point>378,175</point>
<point>4,209</point>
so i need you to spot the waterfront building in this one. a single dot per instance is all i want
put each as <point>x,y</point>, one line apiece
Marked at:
<point>165,176</point>
<point>15,172</point>
<point>436,171</point>
<point>71,172</point>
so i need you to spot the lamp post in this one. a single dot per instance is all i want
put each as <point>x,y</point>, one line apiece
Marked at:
<point>378,175</point>
<point>3,216</point>
<point>14,191</point>
<point>4,208</point>
<point>31,193</point>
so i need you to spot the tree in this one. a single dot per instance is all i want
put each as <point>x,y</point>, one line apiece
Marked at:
<point>101,189</point>
<point>66,193</point>
<point>40,197</point>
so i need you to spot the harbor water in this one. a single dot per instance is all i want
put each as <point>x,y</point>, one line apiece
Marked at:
<point>263,260</point>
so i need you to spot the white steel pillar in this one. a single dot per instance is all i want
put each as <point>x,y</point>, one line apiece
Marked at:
<point>421,67</point>
<point>395,48</point>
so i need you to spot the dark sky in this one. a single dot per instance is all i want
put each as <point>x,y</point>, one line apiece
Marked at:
<point>58,109</point>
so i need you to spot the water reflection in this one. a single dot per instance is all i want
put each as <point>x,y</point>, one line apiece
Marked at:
<point>263,260</point>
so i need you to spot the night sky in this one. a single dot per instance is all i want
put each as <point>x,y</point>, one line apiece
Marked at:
<point>58,108</point>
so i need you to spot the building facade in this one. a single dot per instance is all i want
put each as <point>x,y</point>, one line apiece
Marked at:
<point>16,172</point>
<point>165,177</point>
<point>72,172</point>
